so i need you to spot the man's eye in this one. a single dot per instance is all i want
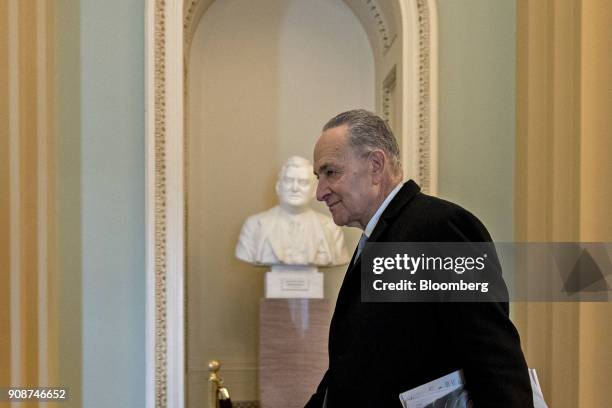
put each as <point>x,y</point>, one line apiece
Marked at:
<point>330,172</point>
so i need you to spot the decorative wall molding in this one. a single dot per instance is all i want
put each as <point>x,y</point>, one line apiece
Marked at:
<point>170,25</point>
<point>386,34</point>
<point>190,8</point>
<point>378,21</point>
<point>388,86</point>
<point>164,202</point>
<point>193,12</point>
<point>161,349</point>
<point>427,137</point>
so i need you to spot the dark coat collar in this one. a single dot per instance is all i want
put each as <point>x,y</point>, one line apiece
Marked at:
<point>403,196</point>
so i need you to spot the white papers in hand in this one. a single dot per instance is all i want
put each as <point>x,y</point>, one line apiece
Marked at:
<point>538,397</point>
<point>425,394</point>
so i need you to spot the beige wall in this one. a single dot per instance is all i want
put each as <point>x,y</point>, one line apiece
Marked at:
<point>42,261</point>
<point>5,287</point>
<point>596,121</point>
<point>563,183</point>
<point>28,330</point>
<point>596,192</point>
<point>263,78</point>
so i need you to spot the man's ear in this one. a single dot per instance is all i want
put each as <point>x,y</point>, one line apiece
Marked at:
<point>377,163</point>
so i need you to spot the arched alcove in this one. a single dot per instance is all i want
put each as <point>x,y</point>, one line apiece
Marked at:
<point>402,36</point>
<point>263,77</point>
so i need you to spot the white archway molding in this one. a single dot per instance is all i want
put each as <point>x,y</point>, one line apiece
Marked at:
<point>403,34</point>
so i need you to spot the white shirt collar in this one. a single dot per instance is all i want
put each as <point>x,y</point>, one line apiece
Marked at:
<point>374,220</point>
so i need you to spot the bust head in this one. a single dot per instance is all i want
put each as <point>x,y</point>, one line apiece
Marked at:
<point>292,233</point>
<point>296,184</point>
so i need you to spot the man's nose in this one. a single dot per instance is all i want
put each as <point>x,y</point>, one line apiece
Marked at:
<point>322,190</point>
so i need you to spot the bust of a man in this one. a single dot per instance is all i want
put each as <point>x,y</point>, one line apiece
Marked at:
<point>292,233</point>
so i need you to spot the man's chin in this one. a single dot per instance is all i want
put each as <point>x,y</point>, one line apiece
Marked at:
<point>338,220</point>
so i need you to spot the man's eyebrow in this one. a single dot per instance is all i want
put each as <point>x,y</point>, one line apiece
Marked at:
<point>321,169</point>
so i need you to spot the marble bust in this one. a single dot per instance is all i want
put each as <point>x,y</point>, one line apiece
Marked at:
<point>292,233</point>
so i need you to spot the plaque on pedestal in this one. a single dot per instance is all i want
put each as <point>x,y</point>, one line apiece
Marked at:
<point>292,350</point>
<point>287,282</point>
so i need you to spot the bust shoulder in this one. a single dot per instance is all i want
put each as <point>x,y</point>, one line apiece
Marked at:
<point>263,217</point>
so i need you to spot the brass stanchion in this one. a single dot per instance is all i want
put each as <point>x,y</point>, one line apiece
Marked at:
<point>217,392</point>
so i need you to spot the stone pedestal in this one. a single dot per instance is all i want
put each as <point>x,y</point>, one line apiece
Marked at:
<point>292,350</point>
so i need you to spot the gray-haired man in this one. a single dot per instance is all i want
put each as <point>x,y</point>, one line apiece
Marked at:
<point>379,350</point>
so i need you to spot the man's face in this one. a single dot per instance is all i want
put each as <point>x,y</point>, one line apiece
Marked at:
<point>295,187</point>
<point>345,183</point>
